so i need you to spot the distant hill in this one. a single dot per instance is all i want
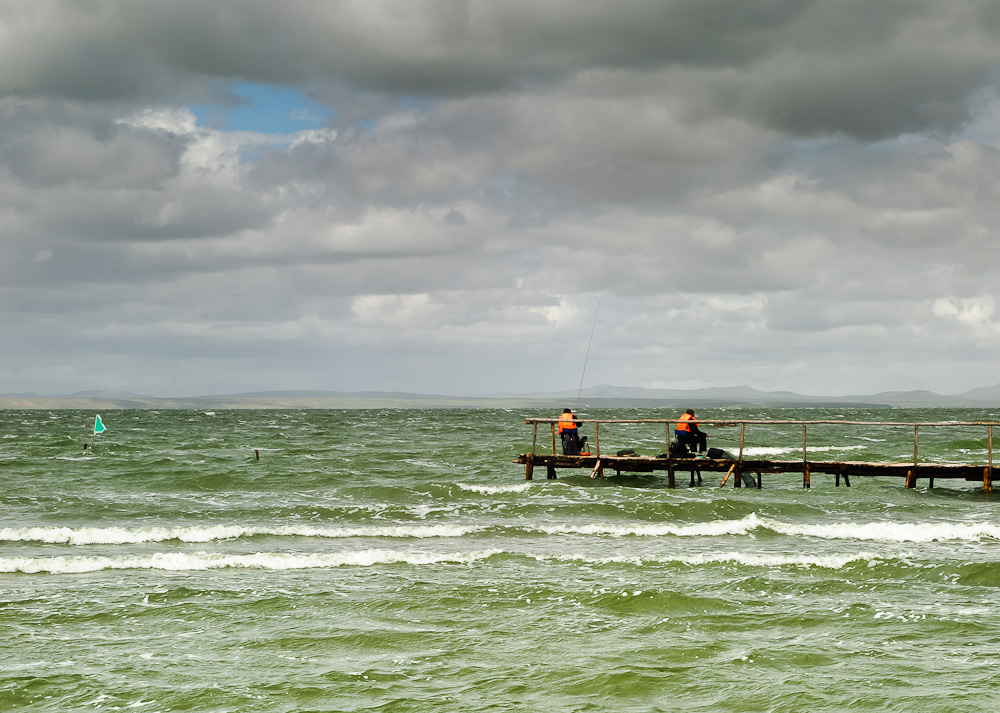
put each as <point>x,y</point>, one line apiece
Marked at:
<point>749,396</point>
<point>990,394</point>
<point>603,395</point>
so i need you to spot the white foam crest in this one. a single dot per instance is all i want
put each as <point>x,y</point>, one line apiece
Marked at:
<point>494,489</point>
<point>812,449</point>
<point>400,531</point>
<point>797,450</point>
<point>768,450</point>
<point>716,527</point>
<point>125,536</point>
<point>749,559</point>
<point>177,562</point>
<point>887,531</point>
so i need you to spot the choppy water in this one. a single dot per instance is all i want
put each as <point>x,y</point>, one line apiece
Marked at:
<point>398,561</point>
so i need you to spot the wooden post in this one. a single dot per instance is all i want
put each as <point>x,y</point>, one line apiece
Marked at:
<point>550,472</point>
<point>529,466</point>
<point>597,442</point>
<point>911,478</point>
<point>553,426</point>
<point>671,481</point>
<point>989,445</point>
<point>916,429</point>
<point>988,470</point>
<point>534,436</point>
<point>805,460</point>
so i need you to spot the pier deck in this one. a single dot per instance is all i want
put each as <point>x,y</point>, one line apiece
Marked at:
<point>738,468</point>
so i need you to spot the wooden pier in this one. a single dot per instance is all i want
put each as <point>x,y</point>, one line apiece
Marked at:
<point>741,470</point>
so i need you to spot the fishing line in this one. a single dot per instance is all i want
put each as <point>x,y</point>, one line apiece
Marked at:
<point>590,341</point>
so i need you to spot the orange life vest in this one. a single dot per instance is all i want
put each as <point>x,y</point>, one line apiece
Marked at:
<point>567,422</point>
<point>685,423</point>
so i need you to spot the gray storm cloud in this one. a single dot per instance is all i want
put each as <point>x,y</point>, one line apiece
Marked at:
<point>788,194</point>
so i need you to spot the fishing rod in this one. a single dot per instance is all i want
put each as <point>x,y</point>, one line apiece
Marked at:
<point>591,340</point>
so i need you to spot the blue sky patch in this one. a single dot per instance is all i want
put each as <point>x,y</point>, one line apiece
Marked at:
<point>266,109</point>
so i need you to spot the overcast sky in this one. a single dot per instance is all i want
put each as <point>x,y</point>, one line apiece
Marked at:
<point>441,197</point>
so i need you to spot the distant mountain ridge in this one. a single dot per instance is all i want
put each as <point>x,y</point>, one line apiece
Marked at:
<point>603,395</point>
<point>747,395</point>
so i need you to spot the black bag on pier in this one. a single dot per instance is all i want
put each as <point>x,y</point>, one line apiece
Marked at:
<point>679,450</point>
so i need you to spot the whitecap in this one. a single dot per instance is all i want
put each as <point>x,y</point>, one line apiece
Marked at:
<point>494,489</point>
<point>749,559</point>
<point>888,531</point>
<point>741,526</point>
<point>178,562</point>
<point>209,533</point>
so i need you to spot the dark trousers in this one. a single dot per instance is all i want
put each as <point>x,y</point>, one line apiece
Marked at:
<point>570,442</point>
<point>693,440</point>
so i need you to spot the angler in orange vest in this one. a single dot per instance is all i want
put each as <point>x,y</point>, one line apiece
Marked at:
<point>572,444</point>
<point>689,434</point>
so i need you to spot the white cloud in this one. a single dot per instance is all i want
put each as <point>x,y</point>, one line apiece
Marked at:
<point>791,195</point>
<point>974,312</point>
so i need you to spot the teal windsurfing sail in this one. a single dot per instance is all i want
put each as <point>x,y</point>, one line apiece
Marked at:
<point>98,426</point>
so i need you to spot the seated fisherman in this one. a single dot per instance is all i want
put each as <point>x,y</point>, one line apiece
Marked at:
<point>689,435</point>
<point>571,443</point>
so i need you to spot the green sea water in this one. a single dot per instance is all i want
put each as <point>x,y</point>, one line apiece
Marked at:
<point>397,560</point>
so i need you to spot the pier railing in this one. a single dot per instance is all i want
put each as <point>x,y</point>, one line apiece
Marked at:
<point>747,424</point>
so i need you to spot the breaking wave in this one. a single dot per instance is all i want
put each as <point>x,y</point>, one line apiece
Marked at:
<point>210,533</point>
<point>176,562</point>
